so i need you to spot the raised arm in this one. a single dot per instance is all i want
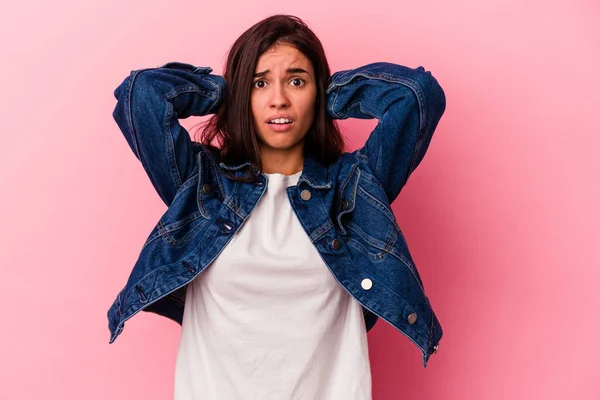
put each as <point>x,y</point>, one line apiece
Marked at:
<point>408,103</point>
<point>149,103</point>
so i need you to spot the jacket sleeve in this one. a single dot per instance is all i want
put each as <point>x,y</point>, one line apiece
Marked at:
<point>149,103</point>
<point>408,104</point>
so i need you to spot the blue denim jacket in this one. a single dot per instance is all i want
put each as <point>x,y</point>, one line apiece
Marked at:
<point>345,209</point>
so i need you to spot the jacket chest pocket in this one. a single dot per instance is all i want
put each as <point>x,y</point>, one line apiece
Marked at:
<point>362,217</point>
<point>184,219</point>
<point>182,231</point>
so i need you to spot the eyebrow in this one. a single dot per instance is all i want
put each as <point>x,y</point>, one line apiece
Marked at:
<point>289,71</point>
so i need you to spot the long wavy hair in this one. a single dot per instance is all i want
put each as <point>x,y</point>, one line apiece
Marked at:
<point>232,128</point>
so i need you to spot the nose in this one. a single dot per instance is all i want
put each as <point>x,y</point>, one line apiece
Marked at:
<point>279,97</point>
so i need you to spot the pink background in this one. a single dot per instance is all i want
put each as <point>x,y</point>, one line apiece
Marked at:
<point>502,216</point>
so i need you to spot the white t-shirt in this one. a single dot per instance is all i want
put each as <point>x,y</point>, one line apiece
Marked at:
<point>268,321</point>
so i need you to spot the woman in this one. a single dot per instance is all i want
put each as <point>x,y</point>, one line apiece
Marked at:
<point>283,248</point>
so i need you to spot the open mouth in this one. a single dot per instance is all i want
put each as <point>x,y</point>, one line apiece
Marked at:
<point>280,124</point>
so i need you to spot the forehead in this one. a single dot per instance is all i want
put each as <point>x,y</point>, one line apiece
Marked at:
<point>281,57</point>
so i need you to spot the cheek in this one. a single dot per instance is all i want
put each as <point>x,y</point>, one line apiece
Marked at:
<point>255,108</point>
<point>308,108</point>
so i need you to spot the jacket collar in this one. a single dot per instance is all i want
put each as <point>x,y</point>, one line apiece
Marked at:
<point>315,174</point>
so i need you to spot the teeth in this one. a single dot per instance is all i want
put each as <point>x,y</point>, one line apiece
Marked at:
<point>280,121</point>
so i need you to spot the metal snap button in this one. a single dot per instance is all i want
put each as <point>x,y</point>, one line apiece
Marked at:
<point>227,226</point>
<point>188,266</point>
<point>412,318</point>
<point>345,205</point>
<point>141,292</point>
<point>336,244</point>
<point>206,188</point>
<point>366,284</point>
<point>435,348</point>
<point>305,195</point>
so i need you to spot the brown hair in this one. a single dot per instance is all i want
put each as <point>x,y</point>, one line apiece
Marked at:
<point>232,124</point>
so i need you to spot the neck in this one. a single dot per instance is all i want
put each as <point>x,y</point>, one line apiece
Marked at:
<point>286,162</point>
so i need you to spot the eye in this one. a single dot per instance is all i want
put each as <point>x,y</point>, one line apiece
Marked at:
<point>297,82</point>
<point>259,84</point>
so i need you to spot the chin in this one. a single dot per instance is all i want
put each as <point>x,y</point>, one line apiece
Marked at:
<point>282,146</point>
<point>283,143</point>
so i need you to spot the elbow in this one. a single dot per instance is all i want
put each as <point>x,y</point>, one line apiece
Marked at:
<point>435,98</point>
<point>122,114</point>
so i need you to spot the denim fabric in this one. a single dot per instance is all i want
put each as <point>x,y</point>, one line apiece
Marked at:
<point>347,217</point>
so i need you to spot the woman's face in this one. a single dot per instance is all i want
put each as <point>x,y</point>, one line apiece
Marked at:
<point>283,97</point>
